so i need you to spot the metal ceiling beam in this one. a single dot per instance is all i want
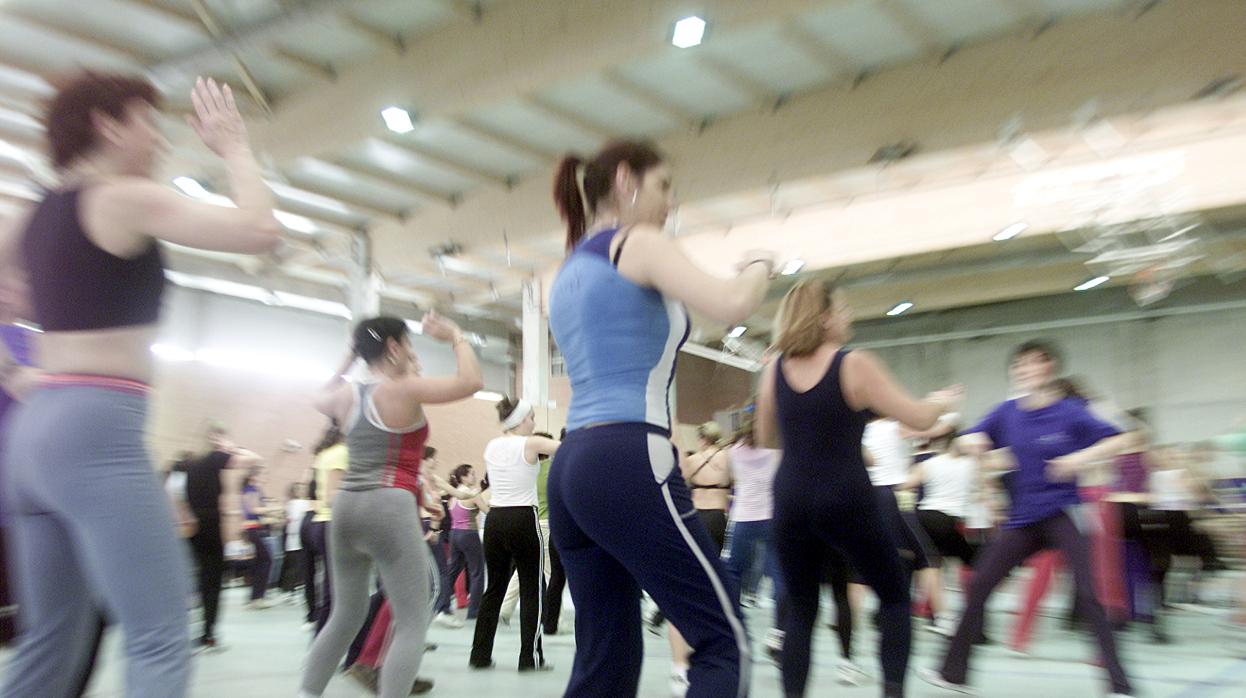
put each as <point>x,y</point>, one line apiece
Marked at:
<point>820,51</point>
<point>754,88</point>
<point>190,19</point>
<point>648,97</point>
<point>90,39</point>
<point>217,31</point>
<point>560,113</point>
<point>322,71</point>
<point>392,41</point>
<point>362,207</point>
<point>489,134</point>
<point>379,173</point>
<point>446,163</point>
<point>914,25</point>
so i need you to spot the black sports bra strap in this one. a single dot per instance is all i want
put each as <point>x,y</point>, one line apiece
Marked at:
<point>618,251</point>
<point>701,467</point>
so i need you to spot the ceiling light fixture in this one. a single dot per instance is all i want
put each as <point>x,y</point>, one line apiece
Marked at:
<point>900,308</point>
<point>689,32</point>
<point>1011,232</point>
<point>397,119</point>
<point>793,267</point>
<point>1092,283</point>
<point>737,332</point>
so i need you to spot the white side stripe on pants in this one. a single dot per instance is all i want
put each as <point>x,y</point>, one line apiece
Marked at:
<point>737,628</point>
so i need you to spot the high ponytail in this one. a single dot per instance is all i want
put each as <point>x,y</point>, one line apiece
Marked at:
<point>569,200</point>
<point>576,207</point>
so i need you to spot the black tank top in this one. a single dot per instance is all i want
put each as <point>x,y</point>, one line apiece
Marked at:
<point>821,436</point>
<point>74,284</point>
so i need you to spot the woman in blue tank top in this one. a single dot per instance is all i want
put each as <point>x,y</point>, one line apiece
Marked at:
<point>815,401</point>
<point>619,510</point>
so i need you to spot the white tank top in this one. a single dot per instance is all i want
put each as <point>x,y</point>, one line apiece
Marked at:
<point>949,481</point>
<point>753,470</point>
<point>511,478</point>
<point>890,452</point>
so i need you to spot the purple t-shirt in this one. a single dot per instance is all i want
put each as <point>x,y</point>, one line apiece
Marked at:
<point>1036,437</point>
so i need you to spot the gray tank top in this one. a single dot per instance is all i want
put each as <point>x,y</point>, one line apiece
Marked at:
<point>380,456</point>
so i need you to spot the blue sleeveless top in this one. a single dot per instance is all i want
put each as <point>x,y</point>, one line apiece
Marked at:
<point>619,340</point>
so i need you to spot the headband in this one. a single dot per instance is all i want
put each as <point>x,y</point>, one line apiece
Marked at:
<point>517,415</point>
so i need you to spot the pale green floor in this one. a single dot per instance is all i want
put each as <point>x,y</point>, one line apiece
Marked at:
<point>265,650</point>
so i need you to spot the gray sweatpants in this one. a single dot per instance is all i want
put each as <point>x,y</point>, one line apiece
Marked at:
<point>380,527</point>
<point>90,528</point>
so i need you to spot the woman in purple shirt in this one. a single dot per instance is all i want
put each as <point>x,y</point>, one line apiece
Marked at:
<point>1052,439</point>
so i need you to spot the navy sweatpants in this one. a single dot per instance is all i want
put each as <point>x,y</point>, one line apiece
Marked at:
<point>623,520</point>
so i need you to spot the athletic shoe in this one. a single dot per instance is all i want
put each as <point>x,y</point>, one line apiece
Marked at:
<point>539,667</point>
<point>309,627</point>
<point>259,605</point>
<point>934,678</point>
<point>207,645</point>
<point>942,625</point>
<point>679,683</point>
<point>774,646</point>
<point>482,667</point>
<point>448,620</point>
<point>849,674</point>
<point>421,686</point>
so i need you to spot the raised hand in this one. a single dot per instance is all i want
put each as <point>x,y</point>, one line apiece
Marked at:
<point>440,328</point>
<point>216,118</point>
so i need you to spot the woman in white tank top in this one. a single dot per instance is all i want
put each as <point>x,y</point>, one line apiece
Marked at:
<point>513,534</point>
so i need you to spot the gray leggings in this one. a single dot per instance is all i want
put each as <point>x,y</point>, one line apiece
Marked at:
<point>90,526</point>
<point>380,527</point>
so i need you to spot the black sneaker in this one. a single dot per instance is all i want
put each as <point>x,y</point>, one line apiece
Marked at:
<point>539,667</point>
<point>481,667</point>
<point>206,645</point>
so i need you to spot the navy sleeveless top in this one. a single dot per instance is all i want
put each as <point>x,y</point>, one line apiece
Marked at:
<point>821,433</point>
<point>74,284</point>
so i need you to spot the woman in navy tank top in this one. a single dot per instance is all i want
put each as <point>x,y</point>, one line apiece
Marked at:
<point>85,509</point>
<point>815,401</point>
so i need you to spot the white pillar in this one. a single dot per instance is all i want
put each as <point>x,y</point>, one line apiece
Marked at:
<point>535,347</point>
<point>365,286</point>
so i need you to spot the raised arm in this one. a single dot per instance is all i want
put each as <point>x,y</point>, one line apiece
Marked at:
<point>441,389</point>
<point>871,386</point>
<point>538,447</point>
<point>653,260</point>
<point>153,210</point>
<point>460,493</point>
<point>334,398</point>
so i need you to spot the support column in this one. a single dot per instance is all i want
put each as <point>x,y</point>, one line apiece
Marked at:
<point>365,286</point>
<point>535,347</point>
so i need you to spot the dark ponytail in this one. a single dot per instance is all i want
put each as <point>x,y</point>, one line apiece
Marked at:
<point>372,336</point>
<point>569,200</point>
<point>506,406</point>
<point>640,156</point>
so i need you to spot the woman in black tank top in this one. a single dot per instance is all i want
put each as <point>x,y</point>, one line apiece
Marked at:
<point>815,400</point>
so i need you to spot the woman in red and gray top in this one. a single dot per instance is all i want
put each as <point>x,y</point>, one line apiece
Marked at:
<point>376,512</point>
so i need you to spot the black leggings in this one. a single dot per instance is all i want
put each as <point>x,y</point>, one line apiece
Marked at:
<point>1008,550</point>
<point>261,566</point>
<point>809,527</point>
<point>553,593</point>
<point>512,542</point>
<point>946,537</point>
<point>715,521</point>
<point>836,574</point>
<point>209,552</point>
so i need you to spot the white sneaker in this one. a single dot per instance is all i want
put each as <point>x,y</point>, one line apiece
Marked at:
<point>934,678</point>
<point>849,674</point>
<point>679,683</point>
<point>942,625</point>
<point>447,620</point>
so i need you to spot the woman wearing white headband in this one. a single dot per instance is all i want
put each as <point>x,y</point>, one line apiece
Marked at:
<point>513,534</point>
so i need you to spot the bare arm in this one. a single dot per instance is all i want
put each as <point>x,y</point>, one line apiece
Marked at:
<point>871,386</point>
<point>765,421</point>
<point>917,475</point>
<point>653,260</point>
<point>334,397</point>
<point>1069,466</point>
<point>441,389</point>
<point>331,485</point>
<point>460,493</point>
<point>538,446</point>
<point>155,211</point>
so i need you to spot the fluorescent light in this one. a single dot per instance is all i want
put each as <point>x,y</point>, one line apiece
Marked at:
<point>315,305</point>
<point>297,223</point>
<point>688,32</point>
<point>793,267</point>
<point>397,119</point>
<point>488,396</point>
<point>737,332</point>
<point>169,352</point>
<point>190,186</point>
<point>900,309</point>
<point>1011,232</point>
<point>1092,283</point>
